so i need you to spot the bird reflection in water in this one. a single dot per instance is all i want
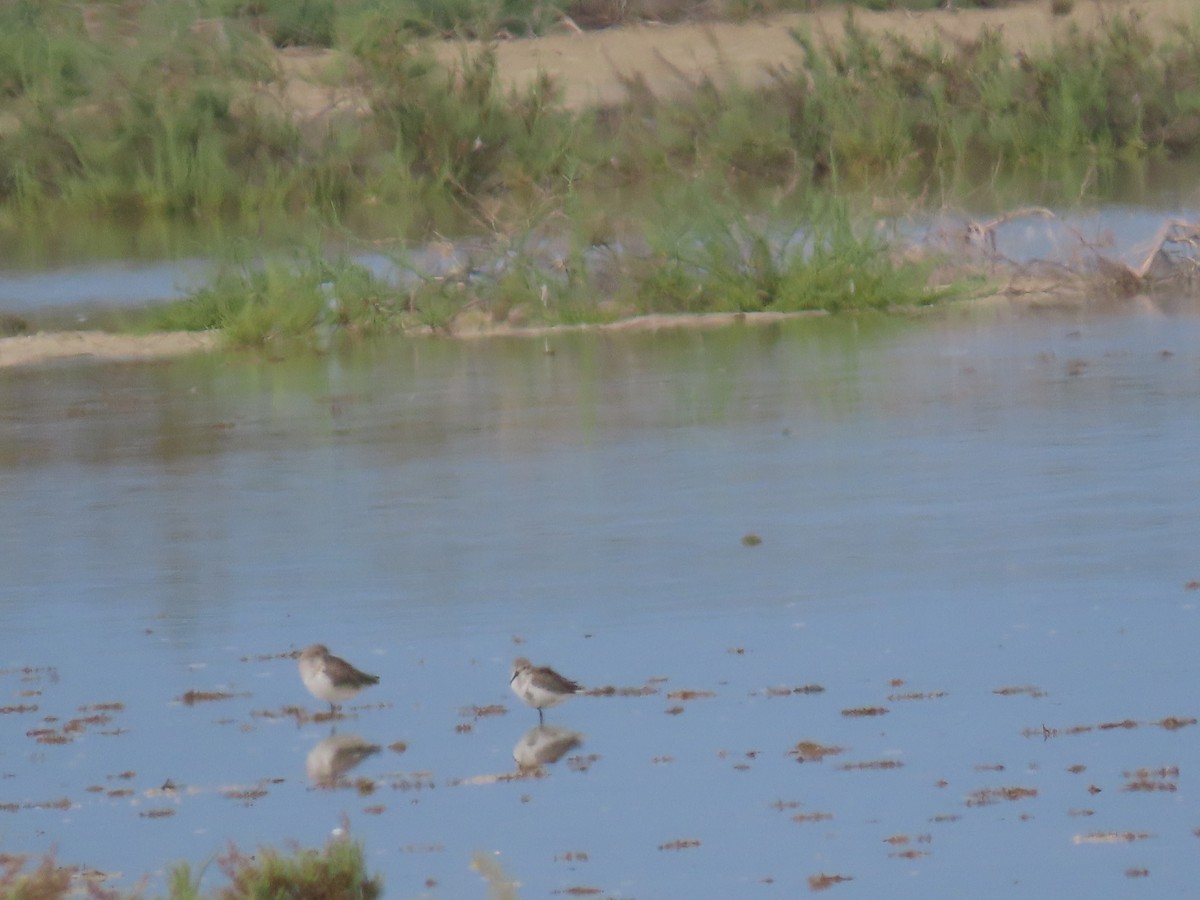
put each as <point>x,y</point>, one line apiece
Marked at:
<point>336,755</point>
<point>544,745</point>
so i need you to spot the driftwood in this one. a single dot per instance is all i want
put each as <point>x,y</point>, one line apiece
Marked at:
<point>1171,262</point>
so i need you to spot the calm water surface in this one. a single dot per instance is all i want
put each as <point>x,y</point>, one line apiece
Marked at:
<point>982,532</point>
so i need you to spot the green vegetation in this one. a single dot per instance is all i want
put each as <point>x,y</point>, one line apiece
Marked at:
<point>118,114</point>
<point>336,872</point>
<point>702,254</point>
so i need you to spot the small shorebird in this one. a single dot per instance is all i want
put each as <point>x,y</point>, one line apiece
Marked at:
<point>331,678</point>
<point>540,686</point>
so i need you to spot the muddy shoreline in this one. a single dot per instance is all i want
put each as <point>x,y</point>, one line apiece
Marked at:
<point>99,346</point>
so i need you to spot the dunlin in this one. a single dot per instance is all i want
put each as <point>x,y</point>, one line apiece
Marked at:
<point>540,686</point>
<point>331,678</point>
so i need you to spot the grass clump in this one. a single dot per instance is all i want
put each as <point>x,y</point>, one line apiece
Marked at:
<point>725,260</point>
<point>335,872</point>
<point>47,882</point>
<point>303,298</point>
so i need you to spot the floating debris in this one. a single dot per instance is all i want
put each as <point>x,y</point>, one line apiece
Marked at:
<point>683,844</point>
<point>788,691</point>
<point>48,736</point>
<point>916,695</point>
<point>1026,689</point>
<point>246,795</point>
<point>579,891</point>
<point>1081,813</point>
<point>866,711</point>
<point>582,763</point>
<point>398,747</point>
<point>1173,723</point>
<point>611,691</point>
<point>191,698</point>
<point>1152,780</point>
<point>988,796</point>
<point>21,708</point>
<point>413,781</point>
<point>571,856</point>
<point>689,695</point>
<point>823,882</point>
<point>872,764</point>
<point>815,816</point>
<point>751,540</point>
<point>480,712</point>
<point>900,840</point>
<point>1136,873</point>
<point>811,751</point>
<point>499,778</point>
<point>1170,723</point>
<point>1077,768</point>
<point>1111,837</point>
<point>160,813</point>
<point>61,803</point>
<point>989,767</point>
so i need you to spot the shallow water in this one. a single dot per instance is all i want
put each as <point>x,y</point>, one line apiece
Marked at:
<point>73,289</point>
<point>987,529</point>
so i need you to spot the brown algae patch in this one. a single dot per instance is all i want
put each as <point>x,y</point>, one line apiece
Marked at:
<point>815,816</point>
<point>1111,837</point>
<point>790,691</point>
<point>823,881</point>
<point>878,764</point>
<point>812,751</point>
<point>685,696</point>
<point>988,796</point>
<point>612,691</point>
<point>682,844</point>
<point>865,711</point>
<point>191,698</point>
<point>1027,690</point>
<point>916,695</point>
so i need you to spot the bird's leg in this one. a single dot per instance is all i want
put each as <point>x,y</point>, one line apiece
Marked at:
<point>541,717</point>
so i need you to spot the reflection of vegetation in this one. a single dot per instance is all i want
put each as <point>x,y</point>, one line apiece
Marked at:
<point>335,873</point>
<point>500,886</point>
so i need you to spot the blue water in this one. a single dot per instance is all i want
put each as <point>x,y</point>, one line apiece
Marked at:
<point>944,509</point>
